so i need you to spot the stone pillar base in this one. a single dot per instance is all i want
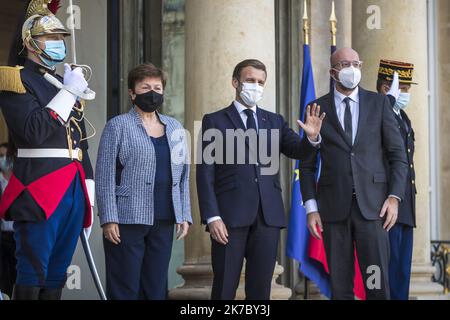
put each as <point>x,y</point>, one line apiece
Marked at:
<point>313,291</point>
<point>422,288</point>
<point>198,284</point>
<point>279,292</point>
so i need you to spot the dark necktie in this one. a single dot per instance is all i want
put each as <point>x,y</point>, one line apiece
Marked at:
<point>348,121</point>
<point>251,123</point>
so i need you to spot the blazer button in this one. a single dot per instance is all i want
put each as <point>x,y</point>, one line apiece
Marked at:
<point>413,182</point>
<point>256,180</point>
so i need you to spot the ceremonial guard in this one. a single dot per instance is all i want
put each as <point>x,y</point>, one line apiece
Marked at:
<point>395,80</point>
<point>51,192</point>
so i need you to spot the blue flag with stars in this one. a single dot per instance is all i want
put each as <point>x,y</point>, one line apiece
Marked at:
<point>298,233</point>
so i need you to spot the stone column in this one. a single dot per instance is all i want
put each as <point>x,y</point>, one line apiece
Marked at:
<point>443,63</point>
<point>402,30</point>
<point>219,34</point>
<point>442,12</point>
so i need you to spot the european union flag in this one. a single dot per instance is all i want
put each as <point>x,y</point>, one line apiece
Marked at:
<point>298,233</point>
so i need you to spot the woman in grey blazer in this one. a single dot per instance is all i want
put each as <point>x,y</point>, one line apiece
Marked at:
<point>142,184</point>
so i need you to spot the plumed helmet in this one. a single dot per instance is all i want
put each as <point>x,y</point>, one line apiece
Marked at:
<point>41,20</point>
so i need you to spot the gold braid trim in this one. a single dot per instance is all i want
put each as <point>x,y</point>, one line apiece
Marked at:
<point>10,80</point>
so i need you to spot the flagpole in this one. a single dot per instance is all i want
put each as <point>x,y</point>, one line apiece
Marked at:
<point>333,31</point>
<point>306,28</point>
<point>333,24</point>
<point>301,246</point>
<point>305,24</point>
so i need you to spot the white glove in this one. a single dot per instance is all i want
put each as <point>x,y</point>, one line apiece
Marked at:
<point>395,87</point>
<point>74,79</point>
<point>75,85</point>
<point>90,186</point>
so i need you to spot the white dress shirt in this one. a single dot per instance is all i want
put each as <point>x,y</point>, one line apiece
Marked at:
<point>354,109</point>
<point>241,109</point>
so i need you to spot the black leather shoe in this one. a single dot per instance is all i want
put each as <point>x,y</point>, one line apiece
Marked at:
<point>50,294</point>
<point>26,293</point>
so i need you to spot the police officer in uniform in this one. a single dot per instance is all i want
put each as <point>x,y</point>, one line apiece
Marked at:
<point>395,79</point>
<point>50,194</point>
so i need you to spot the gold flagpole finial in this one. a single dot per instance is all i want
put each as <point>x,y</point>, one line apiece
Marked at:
<point>305,24</point>
<point>333,23</point>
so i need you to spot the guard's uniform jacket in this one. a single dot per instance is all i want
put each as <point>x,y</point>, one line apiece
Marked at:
<point>407,208</point>
<point>39,184</point>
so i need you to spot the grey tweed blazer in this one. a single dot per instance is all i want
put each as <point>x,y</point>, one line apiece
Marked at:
<point>125,171</point>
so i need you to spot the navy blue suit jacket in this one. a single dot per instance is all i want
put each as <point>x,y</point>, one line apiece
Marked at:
<point>235,192</point>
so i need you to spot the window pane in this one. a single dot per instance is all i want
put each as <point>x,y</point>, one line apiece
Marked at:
<point>173,45</point>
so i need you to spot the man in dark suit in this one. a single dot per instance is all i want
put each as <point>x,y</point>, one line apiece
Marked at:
<point>357,196</point>
<point>395,80</point>
<point>240,196</point>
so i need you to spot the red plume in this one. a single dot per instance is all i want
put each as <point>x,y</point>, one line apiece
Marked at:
<point>54,6</point>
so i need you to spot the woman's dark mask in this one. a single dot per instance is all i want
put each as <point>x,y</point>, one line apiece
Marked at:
<point>149,102</point>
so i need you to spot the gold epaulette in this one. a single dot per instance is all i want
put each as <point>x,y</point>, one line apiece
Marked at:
<point>10,80</point>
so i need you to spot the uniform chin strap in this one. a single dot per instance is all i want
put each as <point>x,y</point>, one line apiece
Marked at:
<point>29,39</point>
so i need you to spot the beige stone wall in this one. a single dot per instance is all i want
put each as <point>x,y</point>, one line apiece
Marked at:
<point>402,37</point>
<point>321,38</point>
<point>444,114</point>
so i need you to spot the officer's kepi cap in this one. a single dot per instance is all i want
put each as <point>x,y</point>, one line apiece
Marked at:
<point>389,67</point>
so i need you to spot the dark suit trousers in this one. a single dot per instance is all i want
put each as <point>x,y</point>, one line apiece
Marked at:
<point>258,244</point>
<point>372,246</point>
<point>137,268</point>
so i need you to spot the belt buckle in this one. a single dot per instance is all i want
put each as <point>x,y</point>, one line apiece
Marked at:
<point>79,155</point>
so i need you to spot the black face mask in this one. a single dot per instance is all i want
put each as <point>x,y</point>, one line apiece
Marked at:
<point>149,102</point>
